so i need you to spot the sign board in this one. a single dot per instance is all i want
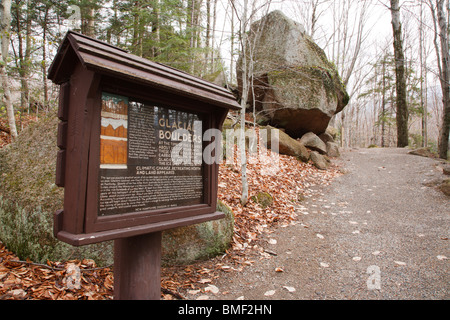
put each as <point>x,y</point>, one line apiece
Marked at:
<point>131,141</point>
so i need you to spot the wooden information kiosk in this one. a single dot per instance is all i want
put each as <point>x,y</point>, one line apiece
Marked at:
<point>121,117</point>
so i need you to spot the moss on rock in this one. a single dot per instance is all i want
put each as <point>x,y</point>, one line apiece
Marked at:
<point>264,199</point>
<point>201,241</point>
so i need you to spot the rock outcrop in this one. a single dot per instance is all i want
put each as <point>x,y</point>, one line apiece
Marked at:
<point>294,85</point>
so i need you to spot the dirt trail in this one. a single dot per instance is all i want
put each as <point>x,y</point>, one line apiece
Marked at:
<point>377,232</point>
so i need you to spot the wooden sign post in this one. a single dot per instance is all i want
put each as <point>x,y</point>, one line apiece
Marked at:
<point>131,155</point>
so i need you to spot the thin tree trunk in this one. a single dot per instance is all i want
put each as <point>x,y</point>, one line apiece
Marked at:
<point>444,79</point>
<point>22,62</point>
<point>5,7</point>
<point>245,84</point>
<point>383,106</point>
<point>44,58</point>
<point>156,30</point>
<point>213,53</point>
<point>208,35</point>
<point>400,83</point>
<point>422,80</point>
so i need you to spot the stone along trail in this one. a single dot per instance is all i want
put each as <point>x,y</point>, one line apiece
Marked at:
<point>377,232</point>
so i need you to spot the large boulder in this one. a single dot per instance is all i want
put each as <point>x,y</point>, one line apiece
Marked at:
<point>294,84</point>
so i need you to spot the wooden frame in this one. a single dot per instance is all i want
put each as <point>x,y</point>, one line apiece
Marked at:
<point>84,68</point>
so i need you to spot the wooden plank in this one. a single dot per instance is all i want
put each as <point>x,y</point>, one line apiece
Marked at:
<point>77,150</point>
<point>158,80</point>
<point>95,237</point>
<point>63,106</point>
<point>60,168</point>
<point>137,267</point>
<point>98,48</point>
<point>61,140</point>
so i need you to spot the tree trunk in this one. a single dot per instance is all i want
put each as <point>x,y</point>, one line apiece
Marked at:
<point>423,82</point>
<point>444,79</point>
<point>245,85</point>
<point>5,7</point>
<point>400,81</point>
<point>156,34</point>
<point>22,63</point>
<point>44,58</point>
<point>383,106</point>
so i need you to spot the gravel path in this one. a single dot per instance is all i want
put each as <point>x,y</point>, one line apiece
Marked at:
<point>377,232</point>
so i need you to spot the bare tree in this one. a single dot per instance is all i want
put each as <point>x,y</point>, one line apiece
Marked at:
<point>402,108</point>
<point>444,78</point>
<point>423,77</point>
<point>345,44</point>
<point>246,67</point>
<point>5,7</point>
<point>438,15</point>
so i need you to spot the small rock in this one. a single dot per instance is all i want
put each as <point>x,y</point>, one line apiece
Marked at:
<point>318,160</point>
<point>313,142</point>
<point>333,150</point>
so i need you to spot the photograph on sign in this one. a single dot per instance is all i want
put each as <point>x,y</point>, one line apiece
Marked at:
<point>144,162</point>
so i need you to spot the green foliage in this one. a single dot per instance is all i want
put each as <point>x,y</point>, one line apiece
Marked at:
<point>161,31</point>
<point>29,197</point>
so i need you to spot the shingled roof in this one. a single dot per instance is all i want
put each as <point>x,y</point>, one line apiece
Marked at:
<point>106,59</point>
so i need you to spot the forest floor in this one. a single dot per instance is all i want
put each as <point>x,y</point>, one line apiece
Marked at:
<point>371,217</point>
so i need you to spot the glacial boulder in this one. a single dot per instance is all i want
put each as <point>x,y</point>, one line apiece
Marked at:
<point>294,85</point>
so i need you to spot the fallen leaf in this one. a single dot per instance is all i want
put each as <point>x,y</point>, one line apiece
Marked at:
<point>212,288</point>
<point>193,292</point>
<point>204,280</point>
<point>290,289</point>
<point>18,293</point>
<point>269,293</point>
